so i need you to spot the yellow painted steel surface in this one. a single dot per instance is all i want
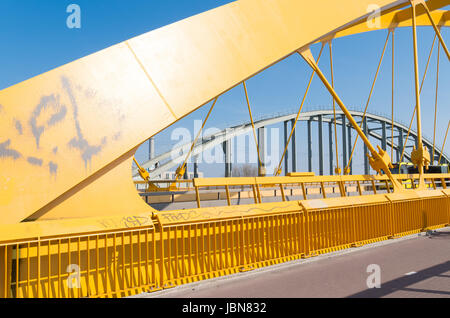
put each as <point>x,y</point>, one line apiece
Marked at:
<point>189,245</point>
<point>73,131</point>
<point>402,18</point>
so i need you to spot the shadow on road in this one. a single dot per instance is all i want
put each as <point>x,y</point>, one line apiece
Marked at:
<point>404,283</point>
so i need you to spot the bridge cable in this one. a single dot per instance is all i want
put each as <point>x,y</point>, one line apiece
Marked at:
<point>278,171</point>
<point>145,176</point>
<point>445,139</point>
<point>338,169</point>
<point>436,102</point>
<point>253,126</point>
<point>436,30</point>
<point>368,101</point>
<point>421,160</point>
<point>392,95</point>
<point>181,169</point>
<point>420,91</point>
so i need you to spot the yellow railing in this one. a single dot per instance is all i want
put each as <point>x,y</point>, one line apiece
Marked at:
<point>164,185</point>
<point>257,188</point>
<point>40,268</point>
<point>344,184</point>
<point>178,247</point>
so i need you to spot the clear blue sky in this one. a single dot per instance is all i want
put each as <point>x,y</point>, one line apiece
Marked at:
<point>35,39</point>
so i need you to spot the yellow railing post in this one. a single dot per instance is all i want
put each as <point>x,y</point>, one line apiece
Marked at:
<point>228,195</point>
<point>5,271</point>
<point>304,191</point>
<point>283,197</point>
<point>197,196</point>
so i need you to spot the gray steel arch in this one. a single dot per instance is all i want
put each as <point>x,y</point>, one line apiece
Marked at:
<point>327,116</point>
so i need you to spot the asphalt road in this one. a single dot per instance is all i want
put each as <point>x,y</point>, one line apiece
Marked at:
<point>417,266</point>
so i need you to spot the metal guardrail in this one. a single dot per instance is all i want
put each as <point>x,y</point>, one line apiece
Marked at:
<point>182,246</point>
<point>164,185</point>
<point>256,188</point>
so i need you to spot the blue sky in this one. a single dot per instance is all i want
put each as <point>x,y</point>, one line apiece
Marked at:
<point>35,39</point>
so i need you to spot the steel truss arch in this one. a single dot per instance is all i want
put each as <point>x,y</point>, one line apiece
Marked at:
<point>229,133</point>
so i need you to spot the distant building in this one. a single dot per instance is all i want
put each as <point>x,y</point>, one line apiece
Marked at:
<point>168,175</point>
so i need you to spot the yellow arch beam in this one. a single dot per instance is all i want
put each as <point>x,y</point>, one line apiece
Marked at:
<point>397,19</point>
<point>67,137</point>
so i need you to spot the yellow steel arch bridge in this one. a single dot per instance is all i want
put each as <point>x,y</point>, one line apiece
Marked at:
<point>67,196</point>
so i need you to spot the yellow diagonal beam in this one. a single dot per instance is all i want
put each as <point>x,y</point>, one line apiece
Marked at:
<point>443,145</point>
<point>338,169</point>
<point>436,103</point>
<point>420,91</point>
<point>182,167</point>
<point>260,171</point>
<point>435,27</point>
<point>380,161</point>
<point>368,100</point>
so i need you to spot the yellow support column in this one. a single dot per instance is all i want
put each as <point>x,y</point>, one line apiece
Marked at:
<point>420,156</point>
<point>5,271</point>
